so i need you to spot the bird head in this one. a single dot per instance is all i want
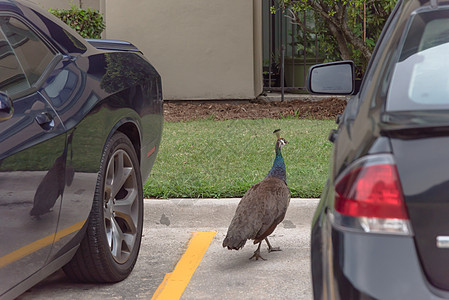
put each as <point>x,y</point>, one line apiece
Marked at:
<point>281,142</point>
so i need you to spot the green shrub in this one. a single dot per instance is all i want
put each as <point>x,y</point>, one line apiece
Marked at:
<point>88,23</point>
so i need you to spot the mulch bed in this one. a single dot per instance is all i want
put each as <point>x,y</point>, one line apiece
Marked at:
<point>328,108</point>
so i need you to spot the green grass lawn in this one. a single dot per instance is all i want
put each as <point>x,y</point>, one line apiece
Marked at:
<point>213,159</point>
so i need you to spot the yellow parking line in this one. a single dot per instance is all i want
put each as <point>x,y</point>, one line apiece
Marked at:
<point>39,244</point>
<point>176,282</point>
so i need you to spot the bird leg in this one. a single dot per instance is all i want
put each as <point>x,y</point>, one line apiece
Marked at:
<point>257,253</point>
<point>271,248</point>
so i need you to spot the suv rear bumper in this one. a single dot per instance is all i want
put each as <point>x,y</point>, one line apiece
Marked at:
<point>365,266</point>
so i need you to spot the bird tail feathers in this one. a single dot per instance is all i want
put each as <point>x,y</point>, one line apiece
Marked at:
<point>233,243</point>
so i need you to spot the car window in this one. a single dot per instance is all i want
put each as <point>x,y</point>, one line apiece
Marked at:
<point>12,77</point>
<point>23,56</point>
<point>420,78</point>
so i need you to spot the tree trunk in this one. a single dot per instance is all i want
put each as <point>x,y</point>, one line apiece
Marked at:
<point>334,16</point>
<point>357,42</point>
<point>333,25</point>
<point>341,42</point>
<point>339,29</point>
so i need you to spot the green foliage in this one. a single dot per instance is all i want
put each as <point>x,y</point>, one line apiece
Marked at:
<point>225,158</point>
<point>346,29</point>
<point>367,23</point>
<point>88,23</point>
<point>306,39</point>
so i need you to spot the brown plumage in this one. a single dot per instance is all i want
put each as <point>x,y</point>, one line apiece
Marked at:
<point>262,208</point>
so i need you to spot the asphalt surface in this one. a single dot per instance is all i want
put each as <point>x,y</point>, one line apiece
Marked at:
<point>222,274</point>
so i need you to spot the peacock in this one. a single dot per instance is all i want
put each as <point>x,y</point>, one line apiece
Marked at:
<point>262,207</point>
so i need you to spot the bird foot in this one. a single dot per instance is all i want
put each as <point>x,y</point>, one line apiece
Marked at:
<point>256,255</point>
<point>270,249</point>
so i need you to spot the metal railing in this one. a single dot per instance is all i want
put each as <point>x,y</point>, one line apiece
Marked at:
<point>285,67</point>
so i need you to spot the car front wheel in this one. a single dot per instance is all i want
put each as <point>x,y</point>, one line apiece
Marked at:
<point>109,249</point>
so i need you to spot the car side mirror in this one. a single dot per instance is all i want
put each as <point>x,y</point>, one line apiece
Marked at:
<point>335,78</point>
<point>6,107</point>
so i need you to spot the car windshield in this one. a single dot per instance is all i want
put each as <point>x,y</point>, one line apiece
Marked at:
<point>420,79</point>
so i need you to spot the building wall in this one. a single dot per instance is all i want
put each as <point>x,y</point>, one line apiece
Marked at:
<point>258,48</point>
<point>203,49</point>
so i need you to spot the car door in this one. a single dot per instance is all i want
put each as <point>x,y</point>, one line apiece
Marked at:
<point>32,154</point>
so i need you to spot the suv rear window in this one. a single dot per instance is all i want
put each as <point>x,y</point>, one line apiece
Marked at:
<point>420,79</point>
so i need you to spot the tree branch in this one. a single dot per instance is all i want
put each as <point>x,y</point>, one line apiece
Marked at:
<point>295,19</point>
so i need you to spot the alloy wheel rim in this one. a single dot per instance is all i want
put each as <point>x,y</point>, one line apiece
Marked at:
<point>120,206</point>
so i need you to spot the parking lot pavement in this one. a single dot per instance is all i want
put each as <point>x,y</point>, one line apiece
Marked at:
<point>221,274</point>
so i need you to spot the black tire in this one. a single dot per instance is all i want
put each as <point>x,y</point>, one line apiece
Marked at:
<point>109,249</point>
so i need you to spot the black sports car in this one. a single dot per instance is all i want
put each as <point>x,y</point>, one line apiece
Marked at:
<point>80,128</point>
<point>381,229</point>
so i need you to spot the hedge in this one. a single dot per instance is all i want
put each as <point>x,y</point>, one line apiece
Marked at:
<point>88,23</point>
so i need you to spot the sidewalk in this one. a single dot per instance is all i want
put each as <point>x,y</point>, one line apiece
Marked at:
<point>276,97</point>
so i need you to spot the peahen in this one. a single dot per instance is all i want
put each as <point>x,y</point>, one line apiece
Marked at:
<point>262,207</point>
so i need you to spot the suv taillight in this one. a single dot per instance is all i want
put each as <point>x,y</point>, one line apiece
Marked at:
<point>371,195</point>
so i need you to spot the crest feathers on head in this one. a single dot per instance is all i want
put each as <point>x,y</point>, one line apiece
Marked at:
<point>277,132</point>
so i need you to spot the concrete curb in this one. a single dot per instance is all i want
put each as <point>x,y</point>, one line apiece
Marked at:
<point>215,213</point>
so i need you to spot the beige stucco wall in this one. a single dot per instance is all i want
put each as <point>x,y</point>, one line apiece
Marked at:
<point>204,49</point>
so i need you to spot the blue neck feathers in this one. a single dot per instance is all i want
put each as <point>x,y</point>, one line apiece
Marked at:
<point>278,169</point>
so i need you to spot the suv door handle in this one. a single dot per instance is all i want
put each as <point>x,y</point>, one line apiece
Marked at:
<point>333,135</point>
<point>45,120</point>
<point>6,108</point>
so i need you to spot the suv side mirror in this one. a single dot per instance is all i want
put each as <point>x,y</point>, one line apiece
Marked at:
<point>6,107</point>
<point>335,78</point>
